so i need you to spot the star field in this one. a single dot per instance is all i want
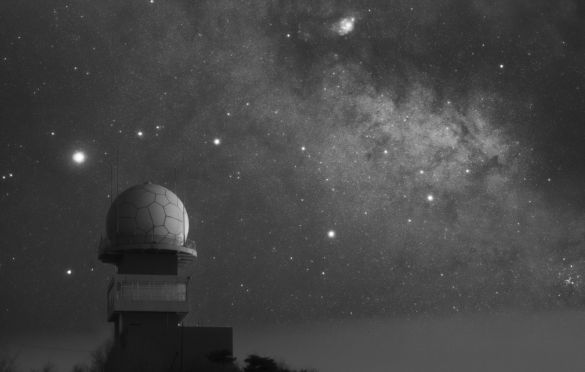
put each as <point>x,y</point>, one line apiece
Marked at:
<point>337,159</point>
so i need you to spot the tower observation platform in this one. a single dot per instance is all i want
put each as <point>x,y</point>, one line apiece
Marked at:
<point>148,298</point>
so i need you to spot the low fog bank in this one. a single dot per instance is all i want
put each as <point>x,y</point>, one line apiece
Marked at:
<point>516,342</point>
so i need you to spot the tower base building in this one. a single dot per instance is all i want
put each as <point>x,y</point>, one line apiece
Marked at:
<point>147,348</point>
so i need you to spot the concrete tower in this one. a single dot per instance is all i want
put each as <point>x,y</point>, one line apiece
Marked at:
<point>147,227</point>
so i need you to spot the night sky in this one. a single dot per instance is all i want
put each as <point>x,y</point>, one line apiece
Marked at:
<point>339,160</point>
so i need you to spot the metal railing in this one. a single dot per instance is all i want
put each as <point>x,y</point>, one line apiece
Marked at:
<point>147,293</point>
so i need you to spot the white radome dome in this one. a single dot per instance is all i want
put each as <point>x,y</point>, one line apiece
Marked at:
<point>147,214</point>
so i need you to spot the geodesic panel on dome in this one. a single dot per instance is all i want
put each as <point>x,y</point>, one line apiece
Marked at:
<point>157,214</point>
<point>127,210</point>
<point>174,226</point>
<point>147,214</point>
<point>172,210</point>
<point>143,220</point>
<point>141,198</point>
<point>126,224</point>
<point>162,200</point>
<point>161,231</point>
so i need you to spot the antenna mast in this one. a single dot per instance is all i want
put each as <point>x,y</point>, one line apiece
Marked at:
<point>117,169</point>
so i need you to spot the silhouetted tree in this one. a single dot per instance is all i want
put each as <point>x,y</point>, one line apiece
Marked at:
<point>223,361</point>
<point>100,357</point>
<point>256,363</point>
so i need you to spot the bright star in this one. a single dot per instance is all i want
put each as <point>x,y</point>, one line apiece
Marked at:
<point>140,133</point>
<point>430,197</point>
<point>331,234</point>
<point>69,272</point>
<point>78,157</point>
<point>216,141</point>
